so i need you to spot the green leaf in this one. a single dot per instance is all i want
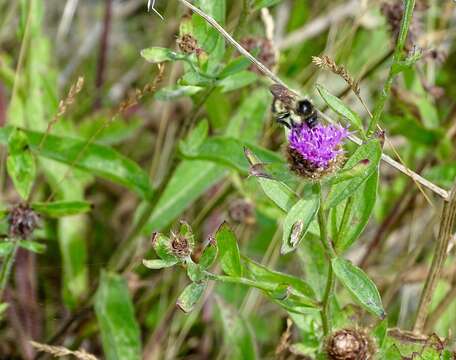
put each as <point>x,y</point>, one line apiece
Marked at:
<point>265,3</point>
<point>261,273</point>
<point>275,190</point>
<point>20,163</point>
<point>359,285</point>
<point>363,205</point>
<point>248,122</point>
<point>62,208</point>
<point>237,65</point>
<point>115,313</point>
<point>230,152</point>
<point>443,174</point>
<point>32,246</point>
<point>196,137</point>
<point>72,235</point>
<point>298,220</point>
<point>237,81</point>
<point>239,337</point>
<point>209,255</point>
<point>340,108</point>
<point>190,296</point>
<point>96,159</point>
<point>162,246</point>
<point>380,333</point>
<point>176,91</point>
<point>188,182</point>
<point>313,260</point>
<point>229,251</point>
<point>157,55</point>
<point>6,247</point>
<point>157,264</point>
<point>195,272</point>
<point>208,38</point>
<point>339,192</point>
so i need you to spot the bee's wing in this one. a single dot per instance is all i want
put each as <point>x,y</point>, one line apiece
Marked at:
<point>282,94</point>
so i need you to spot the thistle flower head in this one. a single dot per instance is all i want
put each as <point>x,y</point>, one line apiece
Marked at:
<point>318,146</point>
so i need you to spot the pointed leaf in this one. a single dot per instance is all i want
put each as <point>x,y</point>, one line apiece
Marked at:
<point>298,220</point>
<point>339,107</point>
<point>229,251</point>
<point>96,159</point>
<point>359,285</point>
<point>190,296</point>
<point>20,163</point>
<point>62,208</point>
<point>157,55</point>
<point>115,313</point>
<point>157,264</point>
<point>32,246</point>
<point>339,192</point>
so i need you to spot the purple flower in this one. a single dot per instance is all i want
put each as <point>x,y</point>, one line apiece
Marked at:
<point>319,145</point>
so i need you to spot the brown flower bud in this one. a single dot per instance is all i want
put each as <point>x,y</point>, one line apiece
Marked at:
<point>242,212</point>
<point>349,344</point>
<point>22,221</point>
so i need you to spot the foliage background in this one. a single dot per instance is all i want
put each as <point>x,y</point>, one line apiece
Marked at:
<point>83,284</point>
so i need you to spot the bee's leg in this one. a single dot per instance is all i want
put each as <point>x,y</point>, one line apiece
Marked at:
<point>274,105</point>
<point>280,118</point>
<point>292,123</point>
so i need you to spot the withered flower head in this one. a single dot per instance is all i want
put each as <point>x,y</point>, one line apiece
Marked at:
<point>263,50</point>
<point>350,344</point>
<point>241,211</point>
<point>188,44</point>
<point>316,152</point>
<point>393,10</point>
<point>22,221</point>
<point>180,246</point>
<point>182,242</point>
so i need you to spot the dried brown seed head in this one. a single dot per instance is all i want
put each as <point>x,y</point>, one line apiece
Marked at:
<point>22,221</point>
<point>349,344</point>
<point>241,211</point>
<point>262,49</point>
<point>180,246</point>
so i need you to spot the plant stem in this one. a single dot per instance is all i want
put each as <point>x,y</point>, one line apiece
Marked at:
<point>397,57</point>
<point>6,267</point>
<point>330,253</point>
<point>445,234</point>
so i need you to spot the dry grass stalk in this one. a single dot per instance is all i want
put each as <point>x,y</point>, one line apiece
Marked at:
<point>75,89</point>
<point>326,63</point>
<point>134,99</point>
<point>59,351</point>
<point>284,343</point>
<point>125,105</point>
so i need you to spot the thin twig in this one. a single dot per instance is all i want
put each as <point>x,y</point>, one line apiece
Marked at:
<point>445,233</point>
<point>426,183</point>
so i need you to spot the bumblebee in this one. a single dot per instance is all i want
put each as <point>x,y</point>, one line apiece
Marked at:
<point>290,111</point>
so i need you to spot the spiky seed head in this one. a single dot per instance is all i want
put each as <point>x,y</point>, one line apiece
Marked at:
<point>22,221</point>
<point>180,246</point>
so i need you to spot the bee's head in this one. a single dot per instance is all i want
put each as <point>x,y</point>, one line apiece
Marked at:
<point>304,107</point>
